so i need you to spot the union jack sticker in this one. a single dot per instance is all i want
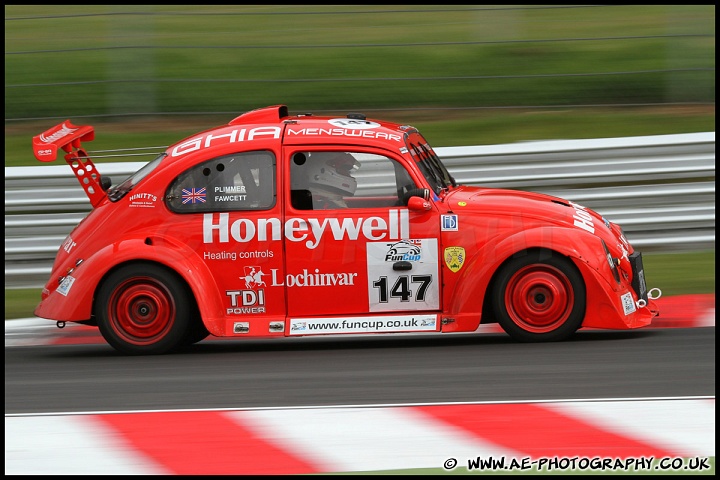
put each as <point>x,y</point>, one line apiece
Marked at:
<point>193,195</point>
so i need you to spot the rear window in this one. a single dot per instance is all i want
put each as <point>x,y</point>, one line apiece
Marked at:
<point>243,181</point>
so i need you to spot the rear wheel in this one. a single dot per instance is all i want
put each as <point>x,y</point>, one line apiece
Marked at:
<point>145,309</point>
<point>539,298</point>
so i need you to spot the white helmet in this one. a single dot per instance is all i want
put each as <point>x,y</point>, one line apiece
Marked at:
<point>331,171</point>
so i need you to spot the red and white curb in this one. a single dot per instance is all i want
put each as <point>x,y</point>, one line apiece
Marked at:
<point>683,311</point>
<point>353,439</point>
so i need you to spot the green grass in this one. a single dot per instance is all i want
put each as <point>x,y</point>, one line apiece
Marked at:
<point>681,273</point>
<point>119,67</point>
<point>674,274</point>
<point>21,302</point>
<point>388,57</point>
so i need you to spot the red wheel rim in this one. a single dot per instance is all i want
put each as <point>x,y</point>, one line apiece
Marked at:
<point>141,310</point>
<point>539,298</point>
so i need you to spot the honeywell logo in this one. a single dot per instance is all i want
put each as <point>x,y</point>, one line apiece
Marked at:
<point>64,131</point>
<point>582,218</point>
<point>217,228</point>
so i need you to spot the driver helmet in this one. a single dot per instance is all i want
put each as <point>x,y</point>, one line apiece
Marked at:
<point>331,171</point>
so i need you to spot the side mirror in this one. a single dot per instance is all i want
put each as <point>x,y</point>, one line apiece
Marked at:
<point>419,204</point>
<point>423,193</point>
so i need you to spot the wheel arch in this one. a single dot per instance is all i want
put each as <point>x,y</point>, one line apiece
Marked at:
<point>488,314</point>
<point>475,286</point>
<point>133,262</point>
<point>167,253</point>
<point>193,274</point>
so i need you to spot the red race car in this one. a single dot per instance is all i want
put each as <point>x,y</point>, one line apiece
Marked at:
<point>276,225</point>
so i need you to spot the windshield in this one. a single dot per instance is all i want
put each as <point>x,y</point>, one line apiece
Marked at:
<point>119,191</point>
<point>429,164</point>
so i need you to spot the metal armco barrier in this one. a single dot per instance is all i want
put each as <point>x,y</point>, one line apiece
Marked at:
<point>661,189</point>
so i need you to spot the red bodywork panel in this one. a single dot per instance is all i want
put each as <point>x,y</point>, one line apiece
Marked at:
<point>409,251</point>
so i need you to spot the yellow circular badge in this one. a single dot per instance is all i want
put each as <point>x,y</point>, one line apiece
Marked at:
<point>462,204</point>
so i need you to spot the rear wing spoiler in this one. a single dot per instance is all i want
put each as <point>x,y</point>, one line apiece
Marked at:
<point>69,138</point>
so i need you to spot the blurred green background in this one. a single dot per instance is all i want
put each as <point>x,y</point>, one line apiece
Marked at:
<point>149,75</point>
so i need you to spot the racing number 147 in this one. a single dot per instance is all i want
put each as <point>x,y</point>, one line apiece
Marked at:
<point>401,288</point>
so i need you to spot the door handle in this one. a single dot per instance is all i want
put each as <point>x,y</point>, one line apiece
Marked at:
<point>402,265</point>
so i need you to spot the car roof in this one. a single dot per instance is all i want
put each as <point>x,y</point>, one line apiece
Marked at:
<point>274,124</point>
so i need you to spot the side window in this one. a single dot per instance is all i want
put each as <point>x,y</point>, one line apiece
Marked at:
<point>244,181</point>
<point>333,180</point>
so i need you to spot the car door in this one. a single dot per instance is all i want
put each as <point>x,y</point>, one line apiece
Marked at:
<point>352,246</point>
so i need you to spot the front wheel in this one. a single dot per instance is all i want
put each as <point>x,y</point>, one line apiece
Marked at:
<point>539,298</point>
<point>144,309</point>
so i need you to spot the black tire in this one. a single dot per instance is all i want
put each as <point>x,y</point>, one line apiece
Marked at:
<point>539,297</point>
<point>145,309</point>
<point>197,331</point>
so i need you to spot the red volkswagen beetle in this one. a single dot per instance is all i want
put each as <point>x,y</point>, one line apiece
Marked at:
<point>276,225</point>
